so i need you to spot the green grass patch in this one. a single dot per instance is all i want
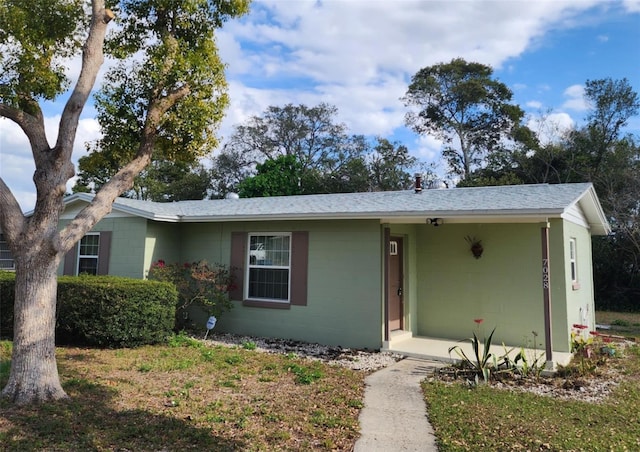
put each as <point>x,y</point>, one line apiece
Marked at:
<point>484,417</point>
<point>305,375</point>
<point>249,345</point>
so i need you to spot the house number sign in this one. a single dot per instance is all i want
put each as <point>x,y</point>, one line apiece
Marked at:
<point>545,273</point>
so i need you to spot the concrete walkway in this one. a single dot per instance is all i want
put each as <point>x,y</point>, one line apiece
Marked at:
<point>394,417</point>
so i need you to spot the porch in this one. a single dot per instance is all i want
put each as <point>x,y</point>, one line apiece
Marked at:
<point>437,349</point>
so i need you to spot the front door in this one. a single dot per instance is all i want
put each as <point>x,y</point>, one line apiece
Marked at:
<point>395,284</point>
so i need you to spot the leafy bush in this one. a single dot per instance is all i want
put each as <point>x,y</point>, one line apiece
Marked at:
<point>7,295</point>
<point>114,311</point>
<point>197,283</point>
<point>103,310</point>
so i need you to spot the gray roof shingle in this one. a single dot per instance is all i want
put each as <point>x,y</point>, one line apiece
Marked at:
<point>514,200</point>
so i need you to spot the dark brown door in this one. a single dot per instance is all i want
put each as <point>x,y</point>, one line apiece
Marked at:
<point>395,284</point>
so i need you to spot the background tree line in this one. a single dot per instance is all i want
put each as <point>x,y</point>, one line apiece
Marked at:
<point>289,150</point>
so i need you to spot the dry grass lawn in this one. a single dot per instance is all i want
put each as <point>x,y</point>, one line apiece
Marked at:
<point>188,396</point>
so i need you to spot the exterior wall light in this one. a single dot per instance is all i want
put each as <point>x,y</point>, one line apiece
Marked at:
<point>434,221</point>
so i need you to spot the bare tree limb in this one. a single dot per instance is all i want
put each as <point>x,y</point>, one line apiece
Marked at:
<point>32,126</point>
<point>123,180</point>
<point>11,218</point>
<point>92,59</point>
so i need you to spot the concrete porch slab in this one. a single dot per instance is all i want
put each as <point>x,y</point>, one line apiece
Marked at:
<point>438,349</point>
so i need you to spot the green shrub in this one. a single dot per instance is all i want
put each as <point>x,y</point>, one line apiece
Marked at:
<point>106,311</point>
<point>114,311</point>
<point>7,291</point>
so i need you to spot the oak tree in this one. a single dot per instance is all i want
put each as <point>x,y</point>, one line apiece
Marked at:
<point>460,103</point>
<point>167,91</point>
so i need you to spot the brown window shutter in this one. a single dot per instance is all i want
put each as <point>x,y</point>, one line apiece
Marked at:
<point>70,261</point>
<point>104,252</point>
<point>238,247</point>
<point>299,267</point>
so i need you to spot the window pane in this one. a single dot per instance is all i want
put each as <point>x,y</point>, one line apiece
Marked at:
<point>88,265</point>
<point>269,283</point>
<point>89,245</point>
<point>269,250</point>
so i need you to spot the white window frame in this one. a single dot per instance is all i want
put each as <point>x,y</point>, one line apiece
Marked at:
<point>573,263</point>
<point>250,266</point>
<point>88,256</point>
<point>4,247</point>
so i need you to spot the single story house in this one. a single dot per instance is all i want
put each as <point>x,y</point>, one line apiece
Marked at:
<point>355,269</point>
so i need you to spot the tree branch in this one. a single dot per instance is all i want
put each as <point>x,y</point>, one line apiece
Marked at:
<point>123,180</point>
<point>32,126</point>
<point>92,59</point>
<point>11,217</point>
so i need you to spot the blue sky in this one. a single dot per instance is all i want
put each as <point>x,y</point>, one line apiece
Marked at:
<point>359,55</point>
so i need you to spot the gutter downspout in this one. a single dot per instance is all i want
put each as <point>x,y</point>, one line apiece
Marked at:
<point>546,292</point>
<point>385,285</point>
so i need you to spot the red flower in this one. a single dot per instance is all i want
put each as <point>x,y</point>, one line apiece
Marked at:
<point>606,339</point>
<point>478,321</point>
<point>594,333</point>
<point>580,327</point>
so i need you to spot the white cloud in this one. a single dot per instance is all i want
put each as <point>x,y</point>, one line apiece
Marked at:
<point>632,5</point>
<point>550,127</point>
<point>359,55</point>
<point>426,148</point>
<point>16,162</point>
<point>575,98</point>
<point>534,104</point>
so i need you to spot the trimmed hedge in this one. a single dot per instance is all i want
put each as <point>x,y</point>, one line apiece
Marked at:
<point>106,311</point>
<point>7,293</point>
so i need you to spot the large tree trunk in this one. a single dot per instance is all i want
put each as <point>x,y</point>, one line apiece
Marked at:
<point>34,373</point>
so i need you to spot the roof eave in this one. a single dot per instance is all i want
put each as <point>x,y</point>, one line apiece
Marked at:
<point>471,215</point>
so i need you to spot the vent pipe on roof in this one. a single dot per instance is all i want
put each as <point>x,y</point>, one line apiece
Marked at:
<point>418,184</point>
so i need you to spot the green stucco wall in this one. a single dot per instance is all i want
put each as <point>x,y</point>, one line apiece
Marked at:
<point>503,287</point>
<point>162,241</point>
<point>445,287</point>
<point>127,245</point>
<point>344,284</point>
<point>580,299</point>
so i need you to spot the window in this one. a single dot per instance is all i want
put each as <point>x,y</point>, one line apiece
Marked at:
<point>269,265</point>
<point>88,253</point>
<point>573,262</point>
<point>270,269</point>
<point>90,256</point>
<point>6,258</point>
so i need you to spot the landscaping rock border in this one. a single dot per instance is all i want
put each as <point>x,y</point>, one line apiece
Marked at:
<point>363,360</point>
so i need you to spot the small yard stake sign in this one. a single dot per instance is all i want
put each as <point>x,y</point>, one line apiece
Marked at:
<point>210,324</point>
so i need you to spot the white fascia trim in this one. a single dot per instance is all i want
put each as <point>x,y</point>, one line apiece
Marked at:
<point>533,215</point>
<point>594,216</point>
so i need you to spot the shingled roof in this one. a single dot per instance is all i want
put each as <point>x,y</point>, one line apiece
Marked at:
<point>477,204</point>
